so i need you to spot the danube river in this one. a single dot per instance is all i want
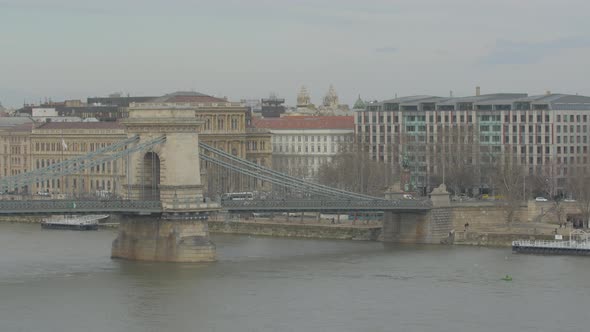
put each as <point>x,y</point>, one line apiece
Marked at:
<point>65,281</point>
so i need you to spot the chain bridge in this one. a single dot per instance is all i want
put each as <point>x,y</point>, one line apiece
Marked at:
<point>163,198</point>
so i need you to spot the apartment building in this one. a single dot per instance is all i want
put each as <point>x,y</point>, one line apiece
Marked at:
<point>546,134</point>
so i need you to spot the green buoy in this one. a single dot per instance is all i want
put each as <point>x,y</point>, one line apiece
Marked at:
<point>507,278</point>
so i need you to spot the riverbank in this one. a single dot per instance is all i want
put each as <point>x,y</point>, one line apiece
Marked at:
<point>262,227</point>
<point>312,229</point>
<point>306,230</point>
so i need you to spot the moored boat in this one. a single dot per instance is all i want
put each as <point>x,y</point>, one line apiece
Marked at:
<point>578,244</point>
<point>74,222</point>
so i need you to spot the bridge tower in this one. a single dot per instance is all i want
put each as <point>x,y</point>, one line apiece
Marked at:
<point>170,173</point>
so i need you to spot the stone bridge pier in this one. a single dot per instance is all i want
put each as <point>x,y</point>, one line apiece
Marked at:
<point>170,173</point>
<point>421,227</point>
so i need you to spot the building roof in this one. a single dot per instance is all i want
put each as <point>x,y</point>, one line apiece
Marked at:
<point>81,125</point>
<point>552,100</point>
<point>25,127</point>
<point>409,99</point>
<point>187,97</point>
<point>305,122</point>
<point>487,98</point>
<point>14,121</point>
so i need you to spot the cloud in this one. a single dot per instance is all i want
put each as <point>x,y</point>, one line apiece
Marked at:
<point>386,49</point>
<point>508,52</point>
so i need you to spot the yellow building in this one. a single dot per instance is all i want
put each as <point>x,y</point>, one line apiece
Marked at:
<point>15,151</point>
<point>224,127</point>
<point>55,142</point>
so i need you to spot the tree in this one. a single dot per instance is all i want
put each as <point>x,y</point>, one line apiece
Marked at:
<point>508,180</point>
<point>354,170</point>
<point>545,183</point>
<point>454,154</point>
<point>580,188</point>
<point>460,173</point>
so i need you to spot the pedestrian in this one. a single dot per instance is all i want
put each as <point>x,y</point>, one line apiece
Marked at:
<point>466,226</point>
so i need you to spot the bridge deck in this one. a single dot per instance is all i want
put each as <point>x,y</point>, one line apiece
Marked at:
<point>79,206</point>
<point>151,207</point>
<point>320,205</point>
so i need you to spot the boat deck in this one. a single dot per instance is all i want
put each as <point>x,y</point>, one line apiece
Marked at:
<point>571,247</point>
<point>84,222</point>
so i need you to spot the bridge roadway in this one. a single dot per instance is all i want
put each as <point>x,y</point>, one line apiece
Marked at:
<point>326,205</point>
<point>154,207</point>
<point>79,206</point>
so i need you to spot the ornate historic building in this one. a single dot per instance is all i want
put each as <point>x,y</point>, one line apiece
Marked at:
<point>303,98</point>
<point>28,147</point>
<point>54,142</point>
<point>331,99</point>
<point>15,151</point>
<point>301,144</point>
<point>225,126</point>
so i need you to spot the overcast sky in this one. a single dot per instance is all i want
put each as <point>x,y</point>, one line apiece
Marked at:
<point>249,48</point>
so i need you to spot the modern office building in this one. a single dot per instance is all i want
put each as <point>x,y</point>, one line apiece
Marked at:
<point>547,135</point>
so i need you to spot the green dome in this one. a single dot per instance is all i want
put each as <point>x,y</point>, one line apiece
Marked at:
<point>359,104</point>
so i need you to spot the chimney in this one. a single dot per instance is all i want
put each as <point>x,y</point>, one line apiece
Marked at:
<point>548,92</point>
<point>477,91</point>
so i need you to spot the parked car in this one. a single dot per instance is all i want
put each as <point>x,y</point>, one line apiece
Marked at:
<point>43,193</point>
<point>541,199</point>
<point>569,200</point>
<point>408,196</point>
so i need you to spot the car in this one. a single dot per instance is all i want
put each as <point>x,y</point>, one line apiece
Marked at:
<point>408,196</point>
<point>541,199</point>
<point>43,193</point>
<point>569,200</point>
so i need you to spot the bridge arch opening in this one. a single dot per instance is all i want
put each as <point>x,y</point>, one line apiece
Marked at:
<point>150,184</point>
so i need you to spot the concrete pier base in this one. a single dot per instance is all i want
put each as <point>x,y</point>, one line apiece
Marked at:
<point>163,240</point>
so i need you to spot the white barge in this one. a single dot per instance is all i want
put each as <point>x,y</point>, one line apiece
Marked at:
<point>85,222</point>
<point>578,244</point>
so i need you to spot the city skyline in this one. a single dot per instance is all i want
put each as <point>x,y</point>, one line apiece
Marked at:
<point>77,50</point>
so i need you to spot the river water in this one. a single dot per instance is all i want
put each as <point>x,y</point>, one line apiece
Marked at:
<point>65,281</point>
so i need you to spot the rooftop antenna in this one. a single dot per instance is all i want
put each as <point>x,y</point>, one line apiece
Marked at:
<point>451,93</point>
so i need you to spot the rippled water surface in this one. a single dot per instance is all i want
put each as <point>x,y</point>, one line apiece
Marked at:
<point>65,281</point>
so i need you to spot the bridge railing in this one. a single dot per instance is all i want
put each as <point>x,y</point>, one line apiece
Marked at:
<point>327,204</point>
<point>73,206</point>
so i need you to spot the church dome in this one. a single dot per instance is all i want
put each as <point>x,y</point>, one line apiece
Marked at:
<point>359,104</point>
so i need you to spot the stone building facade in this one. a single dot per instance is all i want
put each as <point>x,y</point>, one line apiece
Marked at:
<point>15,152</point>
<point>32,146</point>
<point>301,144</point>
<point>55,142</point>
<point>225,126</point>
